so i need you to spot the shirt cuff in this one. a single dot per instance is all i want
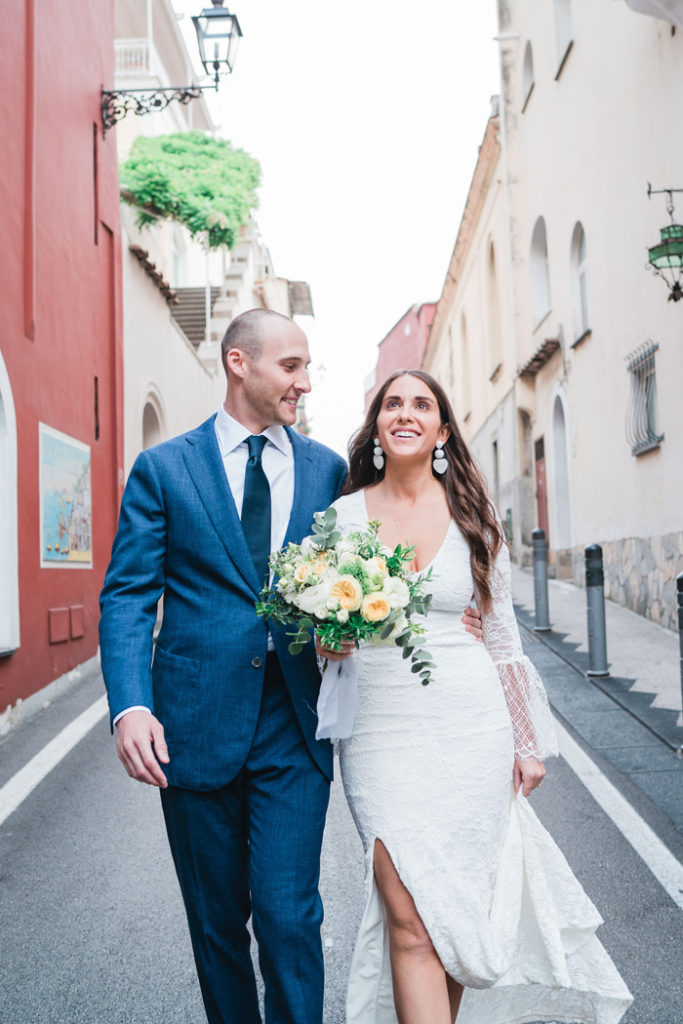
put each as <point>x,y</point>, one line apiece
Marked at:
<point>135,707</point>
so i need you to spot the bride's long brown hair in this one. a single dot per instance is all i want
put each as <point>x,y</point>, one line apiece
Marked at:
<point>463,483</point>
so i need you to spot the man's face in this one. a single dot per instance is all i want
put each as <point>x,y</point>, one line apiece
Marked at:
<point>274,383</point>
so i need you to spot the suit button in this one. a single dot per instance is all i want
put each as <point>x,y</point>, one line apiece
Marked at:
<point>256,662</point>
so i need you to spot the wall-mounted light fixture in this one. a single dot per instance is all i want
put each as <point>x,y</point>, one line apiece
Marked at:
<point>666,259</point>
<point>218,33</point>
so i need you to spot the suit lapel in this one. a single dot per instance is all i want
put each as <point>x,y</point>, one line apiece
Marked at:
<point>204,464</point>
<point>300,518</point>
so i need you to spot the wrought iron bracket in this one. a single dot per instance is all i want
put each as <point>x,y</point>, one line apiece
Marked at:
<point>117,103</point>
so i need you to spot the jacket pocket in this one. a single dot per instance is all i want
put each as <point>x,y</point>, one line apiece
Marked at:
<point>176,679</point>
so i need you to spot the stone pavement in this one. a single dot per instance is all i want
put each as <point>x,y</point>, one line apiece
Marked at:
<point>631,718</point>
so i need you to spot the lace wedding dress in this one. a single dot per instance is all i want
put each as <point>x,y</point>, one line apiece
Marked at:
<point>428,770</point>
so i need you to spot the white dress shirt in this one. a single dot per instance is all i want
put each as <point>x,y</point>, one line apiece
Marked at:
<point>278,465</point>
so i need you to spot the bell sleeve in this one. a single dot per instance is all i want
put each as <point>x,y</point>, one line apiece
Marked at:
<point>532,721</point>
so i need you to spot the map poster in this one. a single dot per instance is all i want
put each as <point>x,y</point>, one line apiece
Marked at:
<point>65,501</point>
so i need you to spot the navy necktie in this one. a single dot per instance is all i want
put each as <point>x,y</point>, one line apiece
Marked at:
<point>256,507</point>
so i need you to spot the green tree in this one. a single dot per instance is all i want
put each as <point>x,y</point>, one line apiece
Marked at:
<point>202,182</point>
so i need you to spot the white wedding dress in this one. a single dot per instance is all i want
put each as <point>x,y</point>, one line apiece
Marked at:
<point>428,771</point>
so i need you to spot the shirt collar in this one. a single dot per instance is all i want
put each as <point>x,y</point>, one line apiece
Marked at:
<point>231,434</point>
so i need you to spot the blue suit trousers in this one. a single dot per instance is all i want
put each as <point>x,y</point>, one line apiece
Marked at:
<point>253,848</point>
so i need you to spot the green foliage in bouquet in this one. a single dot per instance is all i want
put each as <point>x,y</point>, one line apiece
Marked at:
<point>348,588</point>
<point>202,182</point>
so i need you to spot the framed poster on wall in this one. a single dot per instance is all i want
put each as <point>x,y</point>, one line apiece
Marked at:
<point>65,501</point>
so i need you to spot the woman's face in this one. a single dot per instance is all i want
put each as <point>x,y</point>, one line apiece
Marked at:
<point>409,421</point>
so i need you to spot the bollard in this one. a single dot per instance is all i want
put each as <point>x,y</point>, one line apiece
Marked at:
<point>679,588</point>
<point>540,581</point>
<point>595,607</point>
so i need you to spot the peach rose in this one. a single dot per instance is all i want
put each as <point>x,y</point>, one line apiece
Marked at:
<point>348,591</point>
<point>375,608</point>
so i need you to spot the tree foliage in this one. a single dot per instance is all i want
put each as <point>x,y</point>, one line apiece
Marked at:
<point>202,182</point>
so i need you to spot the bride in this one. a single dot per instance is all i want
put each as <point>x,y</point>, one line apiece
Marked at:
<point>471,911</point>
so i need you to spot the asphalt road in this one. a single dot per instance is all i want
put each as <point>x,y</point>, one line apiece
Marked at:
<point>92,927</point>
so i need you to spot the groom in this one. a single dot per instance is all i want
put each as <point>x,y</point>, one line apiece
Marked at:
<point>222,717</point>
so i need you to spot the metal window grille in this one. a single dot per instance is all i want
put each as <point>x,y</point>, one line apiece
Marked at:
<point>641,426</point>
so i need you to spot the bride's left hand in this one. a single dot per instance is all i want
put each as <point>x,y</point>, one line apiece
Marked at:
<point>528,772</point>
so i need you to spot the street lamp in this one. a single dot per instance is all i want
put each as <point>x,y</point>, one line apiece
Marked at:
<point>218,33</point>
<point>668,255</point>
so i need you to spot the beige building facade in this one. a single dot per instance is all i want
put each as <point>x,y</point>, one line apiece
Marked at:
<point>173,377</point>
<point>589,387</point>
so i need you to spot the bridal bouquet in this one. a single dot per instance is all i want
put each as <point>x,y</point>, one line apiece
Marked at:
<point>347,588</point>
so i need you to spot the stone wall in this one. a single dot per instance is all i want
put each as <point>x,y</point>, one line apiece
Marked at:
<point>640,573</point>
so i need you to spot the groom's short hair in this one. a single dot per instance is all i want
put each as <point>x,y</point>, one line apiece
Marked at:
<point>245,332</point>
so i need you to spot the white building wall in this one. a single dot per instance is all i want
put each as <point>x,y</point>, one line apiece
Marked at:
<point>584,149</point>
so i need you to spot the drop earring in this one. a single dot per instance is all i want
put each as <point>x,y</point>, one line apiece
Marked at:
<point>378,455</point>
<point>440,463</point>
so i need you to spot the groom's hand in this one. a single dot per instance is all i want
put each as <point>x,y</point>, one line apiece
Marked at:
<point>472,621</point>
<point>140,745</point>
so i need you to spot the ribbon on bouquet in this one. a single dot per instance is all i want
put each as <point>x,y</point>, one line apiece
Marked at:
<point>338,700</point>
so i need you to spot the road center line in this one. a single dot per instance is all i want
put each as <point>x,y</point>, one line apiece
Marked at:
<point>27,778</point>
<point>664,866</point>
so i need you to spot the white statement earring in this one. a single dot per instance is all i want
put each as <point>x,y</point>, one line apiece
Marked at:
<point>440,463</point>
<point>378,455</point>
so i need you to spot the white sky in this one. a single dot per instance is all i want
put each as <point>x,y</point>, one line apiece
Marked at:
<point>366,119</point>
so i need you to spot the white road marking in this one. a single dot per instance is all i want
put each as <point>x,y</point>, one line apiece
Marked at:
<point>25,781</point>
<point>664,866</point>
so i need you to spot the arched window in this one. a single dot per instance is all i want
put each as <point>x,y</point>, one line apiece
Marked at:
<point>579,285</point>
<point>493,296</point>
<point>465,380</point>
<point>563,32</point>
<point>153,420</point>
<point>560,477</point>
<point>151,428</point>
<point>527,75</point>
<point>540,278</point>
<point>9,576</point>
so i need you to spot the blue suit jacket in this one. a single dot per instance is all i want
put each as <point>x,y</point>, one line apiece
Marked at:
<point>179,535</point>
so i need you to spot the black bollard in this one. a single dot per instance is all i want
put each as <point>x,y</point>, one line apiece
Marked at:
<point>540,581</point>
<point>679,589</point>
<point>595,606</point>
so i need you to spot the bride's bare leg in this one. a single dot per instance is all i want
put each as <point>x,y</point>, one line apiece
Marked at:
<point>455,991</point>
<point>420,989</point>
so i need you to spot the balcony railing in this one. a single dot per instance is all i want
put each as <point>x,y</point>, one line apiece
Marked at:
<point>132,58</point>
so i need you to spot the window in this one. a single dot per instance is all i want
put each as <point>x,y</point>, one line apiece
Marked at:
<point>641,427</point>
<point>527,76</point>
<point>465,370</point>
<point>579,288</point>
<point>563,32</point>
<point>540,279</point>
<point>495,338</point>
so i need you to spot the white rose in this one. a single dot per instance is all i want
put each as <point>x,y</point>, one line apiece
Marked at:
<point>313,598</point>
<point>342,616</point>
<point>396,591</point>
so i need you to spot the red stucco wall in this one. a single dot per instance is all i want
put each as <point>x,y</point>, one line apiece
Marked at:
<point>61,300</point>
<point>403,347</point>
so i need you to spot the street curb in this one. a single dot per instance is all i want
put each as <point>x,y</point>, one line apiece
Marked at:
<point>661,722</point>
